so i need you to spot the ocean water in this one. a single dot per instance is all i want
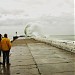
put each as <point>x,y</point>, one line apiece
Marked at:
<point>63,37</point>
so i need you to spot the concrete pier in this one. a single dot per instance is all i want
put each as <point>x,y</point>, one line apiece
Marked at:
<point>31,57</point>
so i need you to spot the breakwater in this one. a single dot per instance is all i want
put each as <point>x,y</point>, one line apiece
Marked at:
<point>69,46</point>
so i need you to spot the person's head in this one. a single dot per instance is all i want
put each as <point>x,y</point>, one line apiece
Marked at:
<point>5,35</point>
<point>0,35</point>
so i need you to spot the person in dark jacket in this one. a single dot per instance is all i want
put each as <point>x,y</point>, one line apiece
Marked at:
<point>0,48</point>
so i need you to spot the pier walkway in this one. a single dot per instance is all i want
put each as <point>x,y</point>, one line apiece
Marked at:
<point>31,57</point>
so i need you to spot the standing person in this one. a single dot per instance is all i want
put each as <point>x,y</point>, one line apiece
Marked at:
<point>0,48</point>
<point>6,46</point>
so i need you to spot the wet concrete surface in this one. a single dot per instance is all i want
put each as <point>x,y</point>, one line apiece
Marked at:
<point>30,57</point>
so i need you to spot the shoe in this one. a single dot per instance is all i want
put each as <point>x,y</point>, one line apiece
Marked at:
<point>8,64</point>
<point>1,63</point>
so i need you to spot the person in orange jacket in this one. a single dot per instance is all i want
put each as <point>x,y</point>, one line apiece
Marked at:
<point>6,46</point>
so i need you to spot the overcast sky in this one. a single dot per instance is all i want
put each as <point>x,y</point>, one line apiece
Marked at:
<point>49,16</point>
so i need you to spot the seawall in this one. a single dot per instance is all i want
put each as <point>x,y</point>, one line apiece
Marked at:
<point>59,44</point>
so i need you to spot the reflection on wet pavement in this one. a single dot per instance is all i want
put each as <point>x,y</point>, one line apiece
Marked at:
<point>5,70</point>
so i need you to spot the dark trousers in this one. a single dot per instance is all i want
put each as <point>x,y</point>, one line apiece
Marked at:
<point>0,53</point>
<point>0,57</point>
<point>6,57</point>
